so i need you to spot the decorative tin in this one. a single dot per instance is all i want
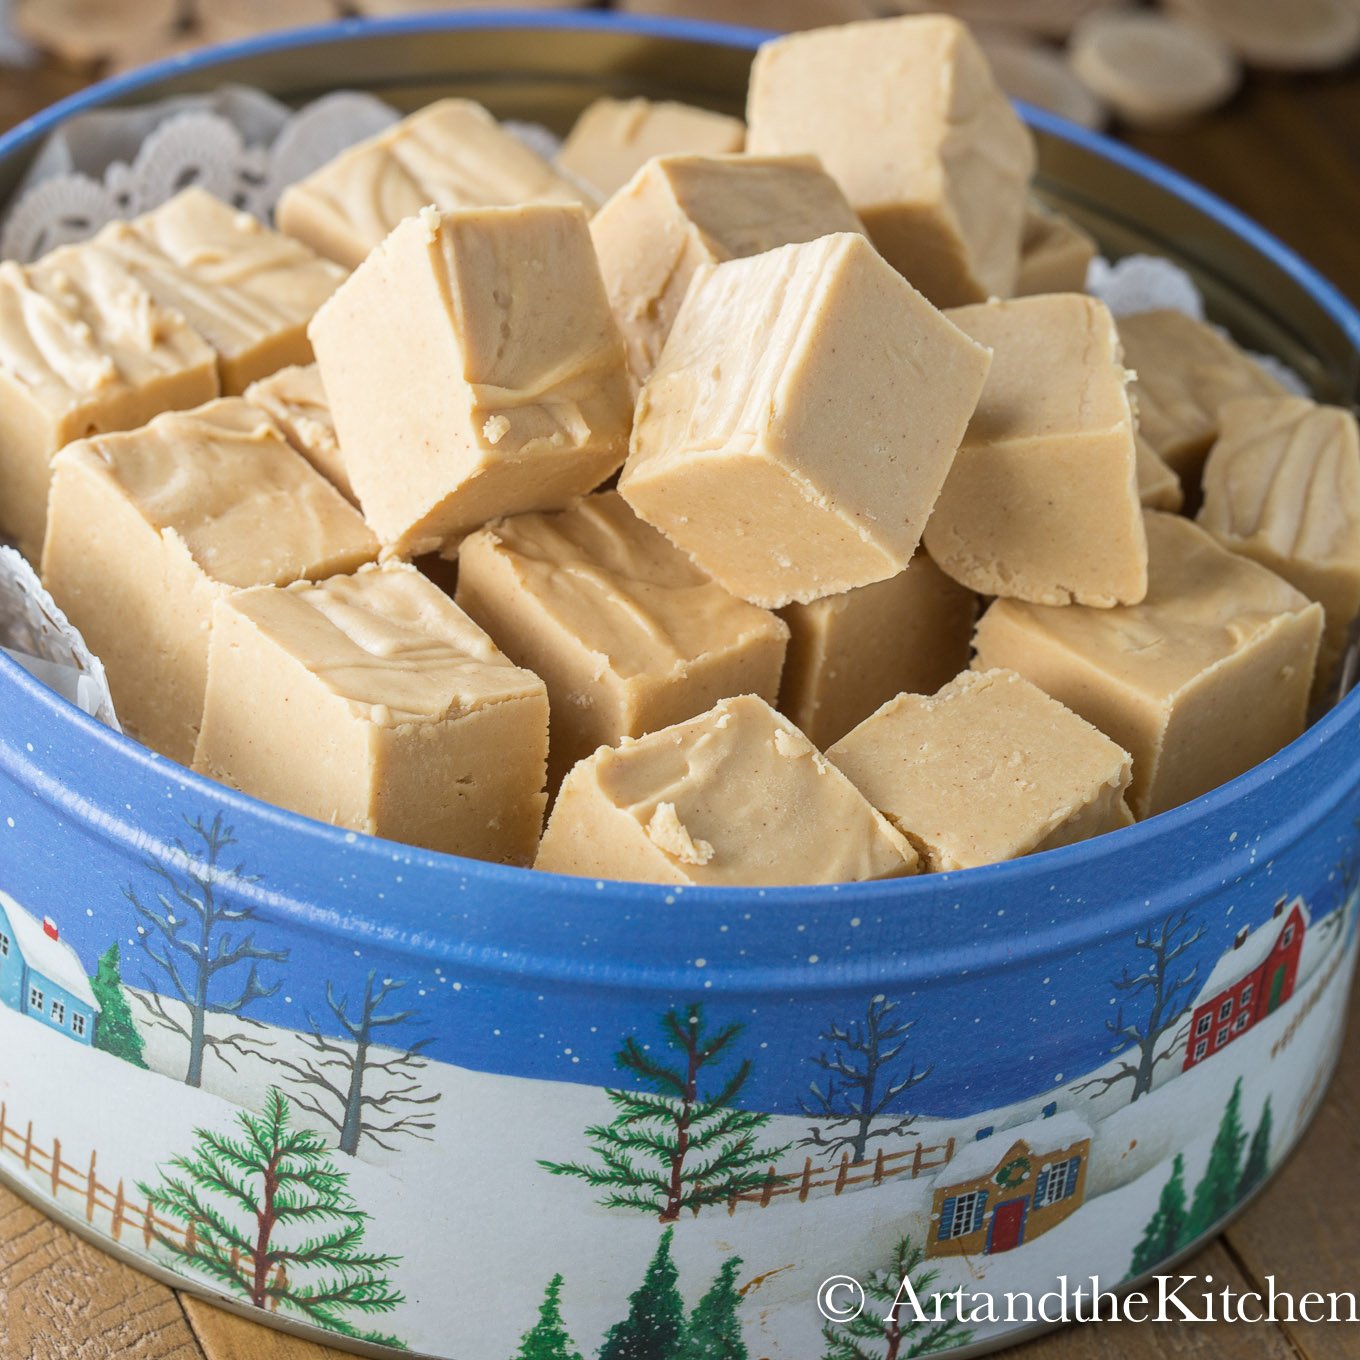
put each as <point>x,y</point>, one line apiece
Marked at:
<point>411,1101</point>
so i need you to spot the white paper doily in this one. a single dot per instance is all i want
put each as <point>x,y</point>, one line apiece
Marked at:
<point>238,143</point>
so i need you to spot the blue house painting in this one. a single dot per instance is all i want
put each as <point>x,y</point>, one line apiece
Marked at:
<point>41,975</point>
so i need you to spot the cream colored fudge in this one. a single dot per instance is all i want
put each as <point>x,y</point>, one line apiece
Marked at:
<point>296,401</point>
<point>628,633</point>
<point>990,768</point>
<point>1186,372</point>
<point>797,431</point>
<point>1282,486</point>
<point>373,702</point>
<point>84,349</point>
<point>735,796</point>
<point>614,138</point>
<point>146,529</point>
<point>1204,679</point>
<point>1042,501</point>
<point>905,114</point>
<point>680,212</point>
<point>474,369</point>
<point>1158,486</point>
<point>852,652</point>
<point>1055,254</point>
<point>452,154</point>
<point>248,291</point>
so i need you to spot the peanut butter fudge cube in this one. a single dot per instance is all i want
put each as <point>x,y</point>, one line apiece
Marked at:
<point>1282,486</point>
<point>296,402</point>
<point>680,212</point>
<point>1042,501</point>
<point>1055,254</point>
<point>474,369</point>
<point>850,653</point>
<point>452,154</point>
<point>146,529</point>
<point>905,114</point>
<point>1205,678</point>
<point>248,291</point>
<point>735,796</point>
<point>84,349</point>
<point>614,138</point>
<point>990,768</point>
<point>1185,372</point>
<point>806,409</point>
<point>628,633</point>
<point>401,716</point>
<point>1158,486</point>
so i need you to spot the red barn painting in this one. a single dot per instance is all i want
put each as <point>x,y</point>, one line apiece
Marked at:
<point>1252,979</point>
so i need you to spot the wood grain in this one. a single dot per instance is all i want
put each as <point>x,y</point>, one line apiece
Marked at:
<point>62,1299</point>
<point>1172,1340</point>
<point>224,1336</point>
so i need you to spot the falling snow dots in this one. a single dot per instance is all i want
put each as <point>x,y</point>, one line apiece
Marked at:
<point>814,958</point>
<point>9,822</point>
<point>701,963</point>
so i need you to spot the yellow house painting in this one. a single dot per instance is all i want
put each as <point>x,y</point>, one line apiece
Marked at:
<point>1009,1188</point>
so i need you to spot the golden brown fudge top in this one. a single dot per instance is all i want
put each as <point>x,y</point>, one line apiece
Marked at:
<point>1203,605</point>
<point>1284,476</point>
<point>739,795</point>
<point>743,390</point>
<point>623,590</point>
<point>614,137</point>
<point>77,326</point>
<point>1055,369</point>
<point>295,399</point>
<point>745,205</point>
<point>452,154</point>
<point>985,770</point>
<point>235,280</point>
<point>222,478</point>
<point>1185,372</point>
<point>914,98</point>
<point>388,642</point>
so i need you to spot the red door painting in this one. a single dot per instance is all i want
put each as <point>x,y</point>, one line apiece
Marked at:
<point>1008,1226</point>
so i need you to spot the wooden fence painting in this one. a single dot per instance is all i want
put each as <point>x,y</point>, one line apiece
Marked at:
<point>125,1216</point>
<point>845,1174</point>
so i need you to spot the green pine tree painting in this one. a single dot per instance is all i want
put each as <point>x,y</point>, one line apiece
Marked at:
<point>655,1324</point>
<point>547,1339</point>
<point>1165,1231</point>
<point>267,1214</point>
<point>675,1145</point>
<point>1216,1193</point>
<point>885,1332</point>
<point>114,1031</point>
<point>714,1328</point>
<point>1258,1155</point>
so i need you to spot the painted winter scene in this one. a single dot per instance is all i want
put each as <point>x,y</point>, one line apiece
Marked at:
<point>428,1163</point>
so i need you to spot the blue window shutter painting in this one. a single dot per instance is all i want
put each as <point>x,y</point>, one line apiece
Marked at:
<point>1040,1186</point>
<point>946,1219</point>
<point>980,1211</point>
<point>1073,1167</point>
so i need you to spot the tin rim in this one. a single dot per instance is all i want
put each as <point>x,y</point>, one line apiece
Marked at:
<point>512,882</point>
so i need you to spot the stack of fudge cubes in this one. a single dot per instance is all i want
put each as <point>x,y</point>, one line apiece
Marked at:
<point>761,504</point>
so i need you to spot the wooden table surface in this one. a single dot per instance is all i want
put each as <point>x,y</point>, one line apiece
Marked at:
<point>1286,151</point>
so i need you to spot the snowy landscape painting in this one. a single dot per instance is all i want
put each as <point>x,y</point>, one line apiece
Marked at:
<point>345,1143</point>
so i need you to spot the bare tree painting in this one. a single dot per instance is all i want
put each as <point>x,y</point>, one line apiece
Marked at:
<point>1161,999</point>
<point>189,931</point>
<point>337,1082</point>
<point>865,1078</point>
